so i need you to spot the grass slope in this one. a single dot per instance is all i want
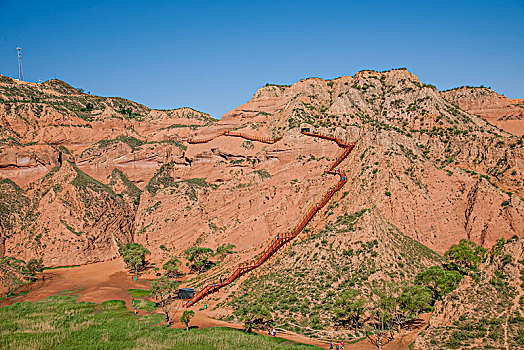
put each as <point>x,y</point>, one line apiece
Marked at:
<point>301,285</point>
<point>59,322</point>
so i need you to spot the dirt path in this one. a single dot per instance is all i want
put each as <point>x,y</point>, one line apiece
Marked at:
<point>94,282</point>
<point>204,319</point>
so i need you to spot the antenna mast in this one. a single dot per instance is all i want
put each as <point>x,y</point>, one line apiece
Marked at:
<point>20,73</point>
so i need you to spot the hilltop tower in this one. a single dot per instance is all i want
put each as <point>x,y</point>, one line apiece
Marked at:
<point>20,73</point>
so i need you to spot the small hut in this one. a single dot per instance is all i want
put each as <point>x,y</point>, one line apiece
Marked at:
<point>186,293</point>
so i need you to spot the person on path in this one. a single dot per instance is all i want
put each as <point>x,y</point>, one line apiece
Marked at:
<point>331,345</point>
<point>220,280</point>
<point>134,305</point>
<point>342,345</point>
<point>274,333</point>
<point>269,331</point>
<point>336,347</point>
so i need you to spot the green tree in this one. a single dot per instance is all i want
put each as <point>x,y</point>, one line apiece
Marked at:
<point>464,257</point>
<point>253,316</point>
<point>134,256</point>
<point>199,258</point>
<point>383,314</point>
<point>349,308</point>
<point>186,318</point>
<point>438,280</point>
<point>416,299</point>
<point>34,265</point>
<point>163,290</point>
<point>171,267</point>
<point>225,249</point>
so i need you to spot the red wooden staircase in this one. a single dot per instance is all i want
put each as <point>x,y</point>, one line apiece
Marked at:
<point>285,238</point>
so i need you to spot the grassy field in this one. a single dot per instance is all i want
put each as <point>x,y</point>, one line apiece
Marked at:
<point>59,322</point>
<point>141,302</point>
<point>139,293</point>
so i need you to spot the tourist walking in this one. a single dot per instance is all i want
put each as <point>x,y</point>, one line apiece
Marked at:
<point>331,345</point>
<point>274,333</point>
<point>134,305</point>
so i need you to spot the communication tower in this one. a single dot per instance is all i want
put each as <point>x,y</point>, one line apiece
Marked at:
<point>20,73</point>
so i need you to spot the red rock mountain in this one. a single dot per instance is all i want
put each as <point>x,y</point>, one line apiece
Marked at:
<point>84,172</point>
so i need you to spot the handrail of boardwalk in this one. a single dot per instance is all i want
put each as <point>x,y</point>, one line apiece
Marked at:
<point>207,139</point>
<point>252,138</point>
<point>285,238</point>
<point>234,134</point>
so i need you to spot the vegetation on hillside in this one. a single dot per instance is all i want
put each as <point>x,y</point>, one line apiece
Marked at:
<point>13,204</point>
<point>130,191</point>
<point>323,276</point>
<point>487,309</point>
<point>354,291</point>
<point>16,272</point>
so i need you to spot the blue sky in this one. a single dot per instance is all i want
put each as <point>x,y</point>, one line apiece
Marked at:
<point>213,55</point>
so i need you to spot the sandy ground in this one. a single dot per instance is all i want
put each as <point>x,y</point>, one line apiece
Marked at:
<point>94,282</point>
<point>110,280</point>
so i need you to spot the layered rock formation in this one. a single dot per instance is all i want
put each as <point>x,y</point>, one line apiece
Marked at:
<point>506,113</point>
<point>41,125</point>
<point>434,171</point>
<point>67,218</point>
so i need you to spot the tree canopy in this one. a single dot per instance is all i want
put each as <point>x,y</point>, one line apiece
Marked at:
<point>186,317</point>
<point>464,257</point>
<point>34,265</point>
<point>438,280</point>
<point>199,258</point>
<point>225,249</point>
<point>253,316</point>
<point>349,308</point>
<point>163,290</point>
<point>134,255</point>
<point>171,267</point>
<point>416,299</point>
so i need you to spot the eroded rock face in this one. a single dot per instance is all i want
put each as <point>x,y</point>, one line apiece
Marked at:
<point>67,218</point>
<point>506,113</point>
<point>44,124</point>
<point>233,192</point>
<point>434,171</point>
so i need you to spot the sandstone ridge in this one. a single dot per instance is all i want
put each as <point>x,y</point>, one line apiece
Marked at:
<point>435,171</point>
